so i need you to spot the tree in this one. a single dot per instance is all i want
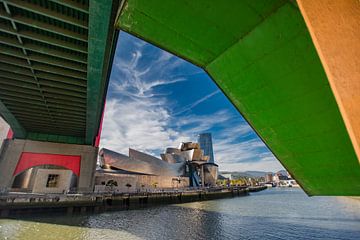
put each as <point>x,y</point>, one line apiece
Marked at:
<point>111,183</point>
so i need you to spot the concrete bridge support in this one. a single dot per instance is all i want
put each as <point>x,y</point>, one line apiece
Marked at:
<point>13,150</point>
<point>334,27</point>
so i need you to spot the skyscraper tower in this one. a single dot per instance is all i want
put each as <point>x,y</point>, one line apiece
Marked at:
<point>205,141</point>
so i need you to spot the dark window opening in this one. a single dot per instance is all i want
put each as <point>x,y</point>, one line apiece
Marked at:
<point>52,180</point>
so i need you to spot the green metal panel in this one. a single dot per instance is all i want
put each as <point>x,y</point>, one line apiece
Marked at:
<point>50,83</point>
<point>262,57</point>
<point>55,138</point>
<point>195,30</point>
<point>100,15</point>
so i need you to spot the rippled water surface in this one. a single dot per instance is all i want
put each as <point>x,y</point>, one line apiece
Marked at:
<point>270,214</point>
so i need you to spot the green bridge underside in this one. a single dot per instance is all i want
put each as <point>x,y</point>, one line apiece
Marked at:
<point>54,61</point>
<point>261,55</point>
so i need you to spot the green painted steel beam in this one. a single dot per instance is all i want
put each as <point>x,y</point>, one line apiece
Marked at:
<point>72,4</point>
<point>16,127</point>
<point>13,69</point>
<point>46,50</point>
<point>60,79</point>
<point>55,129</point>
<point>20,62</point>
<point>55,84</point>
<point>51,124</point>
<point>101,14</point>
<point>55,113</point>
<point>55,138</point>
<point>261,55</point>
<point>36,94</point>
<point>10,82</point>
<point>15,95</point>
<point>38,112</point>
<point>47,13</point>
<point>31,22</point>
<point>43,38</point>
<point>63,105</point>
<point>14,52</point>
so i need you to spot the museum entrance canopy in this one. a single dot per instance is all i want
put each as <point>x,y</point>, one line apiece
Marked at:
<point>261,55</point>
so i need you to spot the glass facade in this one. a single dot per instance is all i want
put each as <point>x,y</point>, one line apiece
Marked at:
<point>205,141</point>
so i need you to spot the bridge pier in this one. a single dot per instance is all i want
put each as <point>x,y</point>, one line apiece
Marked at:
<point>46,158</point>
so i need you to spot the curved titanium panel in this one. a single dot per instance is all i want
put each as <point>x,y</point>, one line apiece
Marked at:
<point>141,163</point>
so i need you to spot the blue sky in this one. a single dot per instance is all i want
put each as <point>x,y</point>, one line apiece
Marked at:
<point>157,100</point>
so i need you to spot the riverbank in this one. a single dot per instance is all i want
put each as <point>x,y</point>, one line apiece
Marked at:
<point>15,204</point>
<point>277,213</point>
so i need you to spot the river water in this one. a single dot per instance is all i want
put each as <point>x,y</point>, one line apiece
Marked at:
<point>271,214</point>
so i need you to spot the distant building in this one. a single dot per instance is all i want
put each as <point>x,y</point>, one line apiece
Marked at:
<point>284,181</point>
<point>205,141</point>
<point>185,166</point>
<point>227,176</point>
<point>269,178</point>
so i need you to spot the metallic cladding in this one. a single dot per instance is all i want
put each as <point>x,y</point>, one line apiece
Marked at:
<point>139,162</point>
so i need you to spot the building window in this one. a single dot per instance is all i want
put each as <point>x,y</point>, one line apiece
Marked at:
<point>52,180</point>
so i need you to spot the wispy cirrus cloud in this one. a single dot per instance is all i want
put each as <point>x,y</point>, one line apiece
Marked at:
<point>197,102</point>
<point>148,109</point>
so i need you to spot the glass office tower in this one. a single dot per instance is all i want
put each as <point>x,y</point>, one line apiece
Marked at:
<point>205,141</point>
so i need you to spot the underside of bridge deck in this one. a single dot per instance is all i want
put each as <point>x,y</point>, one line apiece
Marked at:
<point>55,58</point>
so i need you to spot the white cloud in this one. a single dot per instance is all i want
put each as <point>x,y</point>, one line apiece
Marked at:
<point>194,104</point>
<point>136,125</point>
<point>248,154</point>
<point>137,116</point>
<point>140,121</point>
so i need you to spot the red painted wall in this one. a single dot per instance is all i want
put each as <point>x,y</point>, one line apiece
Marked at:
<point>10,134</point>
<point>97,139</point>
<point>29,160</point>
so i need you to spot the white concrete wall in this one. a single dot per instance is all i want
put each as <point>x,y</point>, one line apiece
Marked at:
<point>4,128</point>
<point>41,177</point>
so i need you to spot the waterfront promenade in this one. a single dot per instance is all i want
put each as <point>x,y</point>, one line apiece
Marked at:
<point>23,203</point>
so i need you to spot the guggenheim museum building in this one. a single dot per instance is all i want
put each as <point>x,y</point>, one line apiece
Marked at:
<point>191,164</point>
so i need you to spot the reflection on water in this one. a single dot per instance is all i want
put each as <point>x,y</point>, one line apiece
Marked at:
<point>271,214</point>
